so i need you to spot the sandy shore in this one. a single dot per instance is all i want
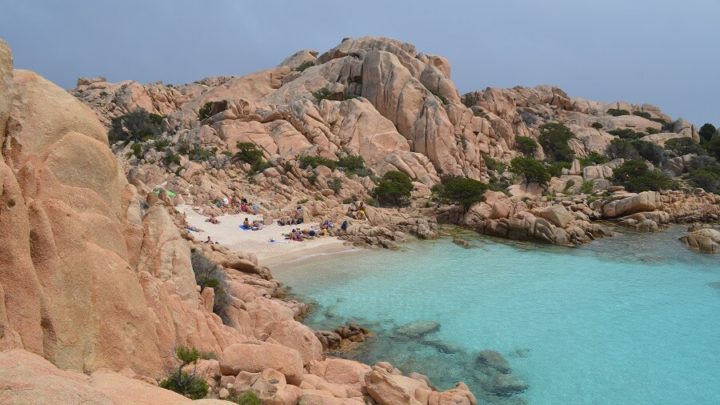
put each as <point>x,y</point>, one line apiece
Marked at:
<point>268,244</point>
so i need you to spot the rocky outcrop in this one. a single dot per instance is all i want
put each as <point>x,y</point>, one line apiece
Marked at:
<point>705,240</point>
<point>631,204</point>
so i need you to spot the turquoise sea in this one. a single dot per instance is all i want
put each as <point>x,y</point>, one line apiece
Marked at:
<point>632,319</point>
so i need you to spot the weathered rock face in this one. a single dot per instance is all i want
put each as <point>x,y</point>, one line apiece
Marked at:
<point>645,201</point>
<point>77,248</point>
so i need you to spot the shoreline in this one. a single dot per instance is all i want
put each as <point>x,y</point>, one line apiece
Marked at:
<point>268,245</point>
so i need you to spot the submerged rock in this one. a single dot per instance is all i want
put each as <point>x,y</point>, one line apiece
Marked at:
<point>493,359</point>
<point>504,384</point>
<point>417,329</point>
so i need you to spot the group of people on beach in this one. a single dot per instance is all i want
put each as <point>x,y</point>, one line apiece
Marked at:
<point>241,204</point>
<point>357,211</point>
<point>255,225</point>
<point>296,218</point>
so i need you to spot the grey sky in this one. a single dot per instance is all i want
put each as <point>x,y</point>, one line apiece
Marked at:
<point>663,52</point>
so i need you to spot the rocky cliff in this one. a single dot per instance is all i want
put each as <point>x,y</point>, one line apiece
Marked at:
<point>97,286</point>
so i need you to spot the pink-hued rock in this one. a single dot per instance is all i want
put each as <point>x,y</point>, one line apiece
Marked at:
<point>254,357</point>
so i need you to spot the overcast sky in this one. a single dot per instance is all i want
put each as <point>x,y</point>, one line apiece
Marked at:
<point>663,52</point>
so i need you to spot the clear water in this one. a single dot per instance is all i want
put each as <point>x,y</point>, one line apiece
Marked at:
<point>633,319</point>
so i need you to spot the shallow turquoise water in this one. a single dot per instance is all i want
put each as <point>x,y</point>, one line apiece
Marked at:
<point>626,320</point>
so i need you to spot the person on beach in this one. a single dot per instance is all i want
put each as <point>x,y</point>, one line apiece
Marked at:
<point>299,215</point>
<point>255,209</point>
<point>246,224</point>
<point>209,241</point>
<point>213,219</point>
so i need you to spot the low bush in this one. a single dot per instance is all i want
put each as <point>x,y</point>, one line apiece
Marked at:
<point>315,161</point>
<point>597,125</point>
<point>335,184</point>
<point>245,398</point>
<point>643,114</point>
<point>683,146</point>
<point>526,145</point>
<point>305,65</point>
<point>530,169</point>
<point>593,158</point>
<point>353,164</point>
<point>627,133</point>
<point>394,189</point>
<point>617,112</point>
<point>713,147</point>
<point>208,274</point>
<point>586,187</point>
<point>326,94</point>
<point>183,383</point>
<point>204,111</point>
<point>622,149</point>
<point>470,99</point>
<point>460,190</point>
<point>555,169</point>
<point>554,139</point>
<point>649,151</point>
<point>171,158</point>
<point>136,126</point>
<point>635,176</point>
<point>494,165</point>
<point>248,153</point>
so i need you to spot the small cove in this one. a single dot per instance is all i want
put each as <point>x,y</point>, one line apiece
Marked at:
<point>624,320</point>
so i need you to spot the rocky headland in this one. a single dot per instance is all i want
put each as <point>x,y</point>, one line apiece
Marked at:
<point>99,273</point>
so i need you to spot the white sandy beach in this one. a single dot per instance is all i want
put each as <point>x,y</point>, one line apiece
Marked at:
<point>228,233</point>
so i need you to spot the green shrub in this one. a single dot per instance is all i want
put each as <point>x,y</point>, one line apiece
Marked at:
<point>305,65</point>
<point>200,154</point>
<point>470,99</point>
<point>312,179</point>
<point>554,139</point>
<point>706,179</point>
<point>460,190</point>
<point>493,164</point>
<point>643,114</point>
<point>208,274</point>
<point>394,188</point>
<point>650,151</point>
<point>315,161</point>
<point>161,144</point>
<point>335,184</point>
<point>183,383</point>
<point>587,187</point>
<point>706,132</point>
<point>353,164</point>
<point>526,145</point>
<point>597,125</point>
<point>568,185</point>
<point>713,147</point>
<point>440,97</point>
<point>651,131</point>
<point>171,158</point>
<point>617,112</point>
<point>326,94</point>
<point>635,176</point>
<point>137,150</point>
<point>683,146</point>
<point>136,126</point>
<point>248,153</point>
<point>626,133</point>
<point>532,170</point>
<point>245,398</point>
<point>593,158</point>
<point>622,149</point>
<point>555,169</point>
<point>205,110</point>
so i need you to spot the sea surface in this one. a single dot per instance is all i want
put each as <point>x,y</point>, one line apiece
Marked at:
<point>632,319</point>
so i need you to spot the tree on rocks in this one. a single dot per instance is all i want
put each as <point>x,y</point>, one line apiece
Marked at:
<point>394,188</point>
<point>526,145</point>
<point>532,170</point>
<point>706,132</point>
<point>461,190</point>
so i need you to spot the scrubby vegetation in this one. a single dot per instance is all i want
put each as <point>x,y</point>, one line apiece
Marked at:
<point>208,274</point>
<point>326,94</point>
<point>393,189</point>
<point>554,139</point>
<point>494,165</point>
<point>593,158</point>
<point>627,133</point>
<point>315,161</point>
<point>635,150</point>
<point>635,176</point>
<point>597,125</point>
<point>460,190</point>
<point>136,126</point>
<point>183,383</point>
<point>305,65</point>
<point>245,398</point>
<point>526,145</point>
<point>643,114</point>
<point>705,173</point>
<point>683,146</point>
<point>335,184</point>
<point>470,99</point>
<point>204,111</point>
<point>617,112</point>
<point>530,169</point>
